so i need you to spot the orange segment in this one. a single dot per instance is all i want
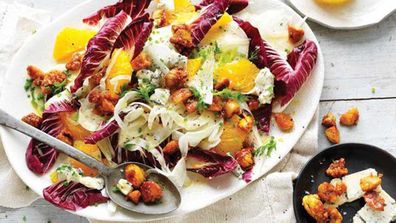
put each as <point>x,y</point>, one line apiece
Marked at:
<point>183,6</point>
<point>76,130</point>
<point>193,66</point>
<point>92,150</point>
<point>216,29</point>
<point>120,71</point>
<point>232,138</point>
<point>69,41</point>
<point>241,73</point>
<point>184,11</point>
<point>332,2</point>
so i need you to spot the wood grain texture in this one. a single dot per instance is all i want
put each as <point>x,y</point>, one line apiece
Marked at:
<point>356,61</point>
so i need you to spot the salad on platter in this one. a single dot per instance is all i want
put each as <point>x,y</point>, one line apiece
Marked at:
<point>184,88</point>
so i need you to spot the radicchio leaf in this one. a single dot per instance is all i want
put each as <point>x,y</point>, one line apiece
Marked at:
<point>235,5</point>
<point>135,35</point>
<point>134,8</point>
<point>207,19</point>
<point>72,196</point>
<point>102,133</point>
<point>200,27</point>
<point>213,164</point>
<point>289,77</point>
<point>247,176</point>
<point>39,156</point>
<point>263,117</point>
<point>99,48</point>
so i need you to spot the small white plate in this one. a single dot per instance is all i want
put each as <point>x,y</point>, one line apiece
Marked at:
<point>355,14</point>
<point>202,192</point>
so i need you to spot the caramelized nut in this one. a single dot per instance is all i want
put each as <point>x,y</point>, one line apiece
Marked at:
<point>134,196</point>
<point>333,135</point>
<point>224,83</point>
<point>181,95</point>
<point>142,61</point>
<point>315,208</point>
<point>330,193</point>
<point>350,118</point>
<point>75,63</point>
<point>370,183</point>
<point>246,123</point>
<point>191,106</point>
<point>329,120</point>
<point>244,158</point>
<point>231,108</point>
<point>33,120</point>
<point>334,215</point>
<point>216,105</point>
<point>284,121</point>
<point>135,175</point>
<point>337,168</point>
<point>182,38</point>
<point>151,192</point>
<point>296,34</point>
<point>34,72</point>
<point>171,147</point>
<point>176,78</point>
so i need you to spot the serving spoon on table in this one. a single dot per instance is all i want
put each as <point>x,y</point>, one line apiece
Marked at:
<point>170,200</point>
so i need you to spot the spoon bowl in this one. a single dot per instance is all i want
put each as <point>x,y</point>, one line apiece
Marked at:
<point>169,202</point>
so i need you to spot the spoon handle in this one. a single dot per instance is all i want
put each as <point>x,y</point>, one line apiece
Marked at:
<point>13,123</point>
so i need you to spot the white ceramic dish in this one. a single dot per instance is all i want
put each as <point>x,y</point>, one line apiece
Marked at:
<point>355,14</point>
<point>38,51</point>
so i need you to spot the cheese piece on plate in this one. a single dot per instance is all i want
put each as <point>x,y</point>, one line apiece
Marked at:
<point>352,182</point>
<point>367,214</point>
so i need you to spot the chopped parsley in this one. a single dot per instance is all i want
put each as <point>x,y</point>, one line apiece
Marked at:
<point>124,90</point>
<point>58,87</point>
<point>146,89</point>
<point>28,84</point>
<point>115,189</point>
<point>266,149</point>
<point>201,104</point>
<point>229,94</point>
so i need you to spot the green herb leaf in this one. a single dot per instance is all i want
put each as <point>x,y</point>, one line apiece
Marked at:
<point>201,104</point>
<point>266,149</point>
<point>28,84</point>
<point>115,189</point>
<point>146,89</point>
<point>229,94</point>
<point>124,90</point>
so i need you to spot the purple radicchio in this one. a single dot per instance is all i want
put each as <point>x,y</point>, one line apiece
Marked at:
<point>134,8</point>
<point>201,26</point>
<point>135,35</point>
<point>72,196</point>
<point>263,117</point>
<point>210,164</point>
<point>102,133</point>
<point>99,48</point>
<point>235,5</point>
<point>39,156</point>
<point>289,77</point>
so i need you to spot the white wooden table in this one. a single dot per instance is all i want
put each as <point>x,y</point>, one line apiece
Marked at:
<point>360,71</point>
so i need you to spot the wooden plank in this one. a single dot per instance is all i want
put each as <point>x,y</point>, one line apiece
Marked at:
<point>377,124</point>
<point>358,60</point>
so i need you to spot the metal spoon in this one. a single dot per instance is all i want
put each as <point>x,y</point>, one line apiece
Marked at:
<point>170,200</point>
